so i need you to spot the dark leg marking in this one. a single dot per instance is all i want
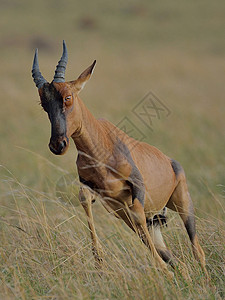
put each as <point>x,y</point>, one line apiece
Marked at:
<point>157,220</point>
<point>90,184</point>
<point>137,185</point>
<point>177,168</point>
<point>135,180</point>
<point>190,227</point>
<point>167,257</point>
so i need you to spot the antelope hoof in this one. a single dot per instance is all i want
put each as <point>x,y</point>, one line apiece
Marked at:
<point>170,275</point>
<point>98,258</point>
<point>184,272</point>
<point>167,273</point>
<point>182,269</point>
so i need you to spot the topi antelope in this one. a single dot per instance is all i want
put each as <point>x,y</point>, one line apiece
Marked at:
<point>135,180</point>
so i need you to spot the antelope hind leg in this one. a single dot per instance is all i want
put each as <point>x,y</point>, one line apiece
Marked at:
<point>155,225</point>
<point>139,224</point>
<point>181,202</point>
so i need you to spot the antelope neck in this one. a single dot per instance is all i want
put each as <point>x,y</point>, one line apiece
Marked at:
<point>90,138</point>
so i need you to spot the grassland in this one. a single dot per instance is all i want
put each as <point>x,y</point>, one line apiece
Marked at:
<point>176,50</point>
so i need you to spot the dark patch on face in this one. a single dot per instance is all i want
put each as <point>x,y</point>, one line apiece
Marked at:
<point>52,103</point>
<point>177,168</point>
<point>135,179</point>
<point>51,98</point>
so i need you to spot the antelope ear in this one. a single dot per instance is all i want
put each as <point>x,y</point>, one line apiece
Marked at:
<point>80,82</point>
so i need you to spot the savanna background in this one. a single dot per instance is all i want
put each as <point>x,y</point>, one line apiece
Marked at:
<point>175,49</point>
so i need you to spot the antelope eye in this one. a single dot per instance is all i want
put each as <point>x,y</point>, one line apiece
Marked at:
<point>68,100</point>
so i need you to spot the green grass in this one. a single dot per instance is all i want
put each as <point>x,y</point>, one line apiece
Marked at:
<point>175,50</point>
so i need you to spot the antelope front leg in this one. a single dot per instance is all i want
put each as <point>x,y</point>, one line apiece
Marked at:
<point>86,198</point>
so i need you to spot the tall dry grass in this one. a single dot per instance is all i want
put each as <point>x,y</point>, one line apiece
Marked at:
<point>175,50</point>
<point>46,251</point>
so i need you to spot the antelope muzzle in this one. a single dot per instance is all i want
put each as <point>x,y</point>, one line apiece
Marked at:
<point>58,146</point>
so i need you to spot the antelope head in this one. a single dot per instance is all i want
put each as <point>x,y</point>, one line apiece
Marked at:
<point>60,100</point>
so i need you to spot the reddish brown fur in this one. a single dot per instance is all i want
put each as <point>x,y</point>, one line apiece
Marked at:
<point>101,163</point>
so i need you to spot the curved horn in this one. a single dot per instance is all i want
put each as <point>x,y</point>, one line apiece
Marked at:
<point>36,74</point>
<point>61,67</point>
